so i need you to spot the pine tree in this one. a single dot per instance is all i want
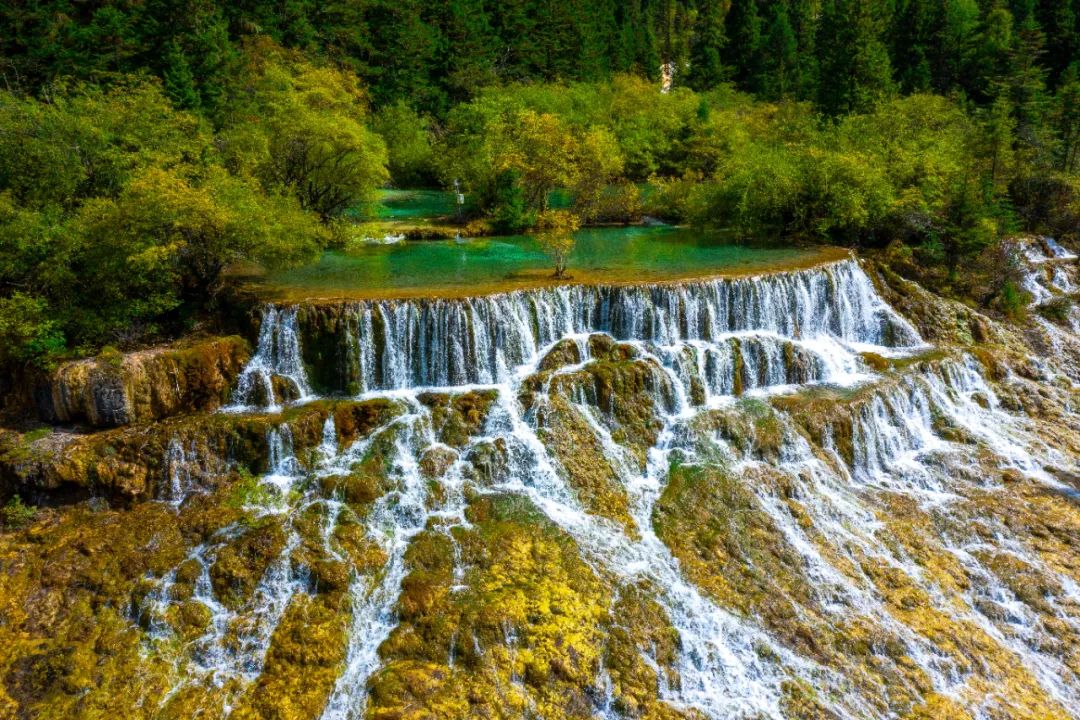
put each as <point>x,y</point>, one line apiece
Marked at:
<point>804,15</point>
<point>468,51</point>
<point>912,40</point>
<point>178,79</point>
<point>780,55</point>
<point>743,52</point>
<point>956,43</point>
<point>1068,118</point>
<point>855,67</point>
<point>706,65</point>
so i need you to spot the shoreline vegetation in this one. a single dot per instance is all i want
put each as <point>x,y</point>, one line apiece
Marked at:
<point>134,182</point>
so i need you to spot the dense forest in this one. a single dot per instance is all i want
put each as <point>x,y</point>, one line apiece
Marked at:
<point>147,147</point>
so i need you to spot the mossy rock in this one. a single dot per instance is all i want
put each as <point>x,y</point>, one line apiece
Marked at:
<point>488,463</point>
<point>581,460</point>
<point>456,418</point>
<point>732,548</point>
<point>122,389</point>
<point>605,348</point>
<point>528,615</point>
<point>563,353</point>
<point>240,565</point>
<point>305,657</point>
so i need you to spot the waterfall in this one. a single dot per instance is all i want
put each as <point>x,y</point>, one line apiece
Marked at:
<point>701,358</point>
<point>404,344</point>
<point>277,356</point>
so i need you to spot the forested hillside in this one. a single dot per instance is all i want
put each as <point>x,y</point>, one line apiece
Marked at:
<point>843,54</point>
<point>148,147</point>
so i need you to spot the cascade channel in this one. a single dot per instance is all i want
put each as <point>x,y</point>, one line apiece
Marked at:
<point>817,509</point>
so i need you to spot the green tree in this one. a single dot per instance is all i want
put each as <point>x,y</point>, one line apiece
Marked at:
<point>706,63</point>
<point>313,140</point>
<point>408,139</point>
<point>1067,112</point>
<point>855,68</point>
<point>743,52</point>
<point>780,55</point>
<point>178,79</point>
<point>510,214</point>
<point>555,234</point>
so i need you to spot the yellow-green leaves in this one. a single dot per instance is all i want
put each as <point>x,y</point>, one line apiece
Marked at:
<point>555,234</point>
<point>302,129</point>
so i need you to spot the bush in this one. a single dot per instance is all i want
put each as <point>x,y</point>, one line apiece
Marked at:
<point>1057,310</point>
<point>17,514</point>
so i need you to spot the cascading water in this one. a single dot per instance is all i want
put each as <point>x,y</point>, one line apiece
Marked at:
<point>931,435</point>
<point>278,355</point>
<point>440,343</point>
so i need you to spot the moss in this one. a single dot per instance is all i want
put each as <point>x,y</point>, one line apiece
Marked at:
<point>358,420</point>
<point>66,647</point>
<point>305,657</point>
<point>565,352</point>
<point>525,631</point>
<point>456,418</point>
<point>580,455</point>
<point>751,426</point>
<point>629,395</point>
<point>487,463</point>
<point>640,629</point>
<point>731,547</point>
<point>352,540</point>
<point>240,565</point>
<point>16,514</point>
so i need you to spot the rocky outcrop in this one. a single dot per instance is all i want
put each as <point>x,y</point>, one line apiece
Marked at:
<point>115,390</point>
<point>146,461</point>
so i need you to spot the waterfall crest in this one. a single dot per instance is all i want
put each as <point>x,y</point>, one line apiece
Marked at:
<point>402,344</point>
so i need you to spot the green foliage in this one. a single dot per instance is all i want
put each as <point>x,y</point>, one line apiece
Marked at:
<point>312,140</point>
<point>27,333</point>
<point>124,200</point>
<point>248,492</point>
<point>510,214</point>
<point>16,513</point>
<point>408,139</point>
<point>118,221</point>
<point>555,234</point>
<point>1057,310</point>
<point>1013,299</point>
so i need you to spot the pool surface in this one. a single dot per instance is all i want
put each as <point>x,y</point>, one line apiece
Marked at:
<point>620,255</point>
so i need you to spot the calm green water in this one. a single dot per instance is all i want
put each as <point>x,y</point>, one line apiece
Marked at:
<point>414,204</point>
<point>623,254</point>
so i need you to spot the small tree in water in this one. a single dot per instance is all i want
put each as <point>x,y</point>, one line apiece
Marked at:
<point>555,232</point>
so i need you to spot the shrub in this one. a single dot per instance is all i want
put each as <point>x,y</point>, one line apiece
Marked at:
<point>16,513</point>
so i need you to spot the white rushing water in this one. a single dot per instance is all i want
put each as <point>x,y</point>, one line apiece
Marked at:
<point>402,344</point>
<point>924,434</point>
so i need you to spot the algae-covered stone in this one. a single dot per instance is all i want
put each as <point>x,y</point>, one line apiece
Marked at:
<point>240,565</point>
<point>725,541</point>
<point>456,418</point>
<point>303,662</point>
<point>523,630</point>
<point>563,353</point>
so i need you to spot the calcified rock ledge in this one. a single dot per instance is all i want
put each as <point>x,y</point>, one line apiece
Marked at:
<point>770,497</point>
<point>143,386</point>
